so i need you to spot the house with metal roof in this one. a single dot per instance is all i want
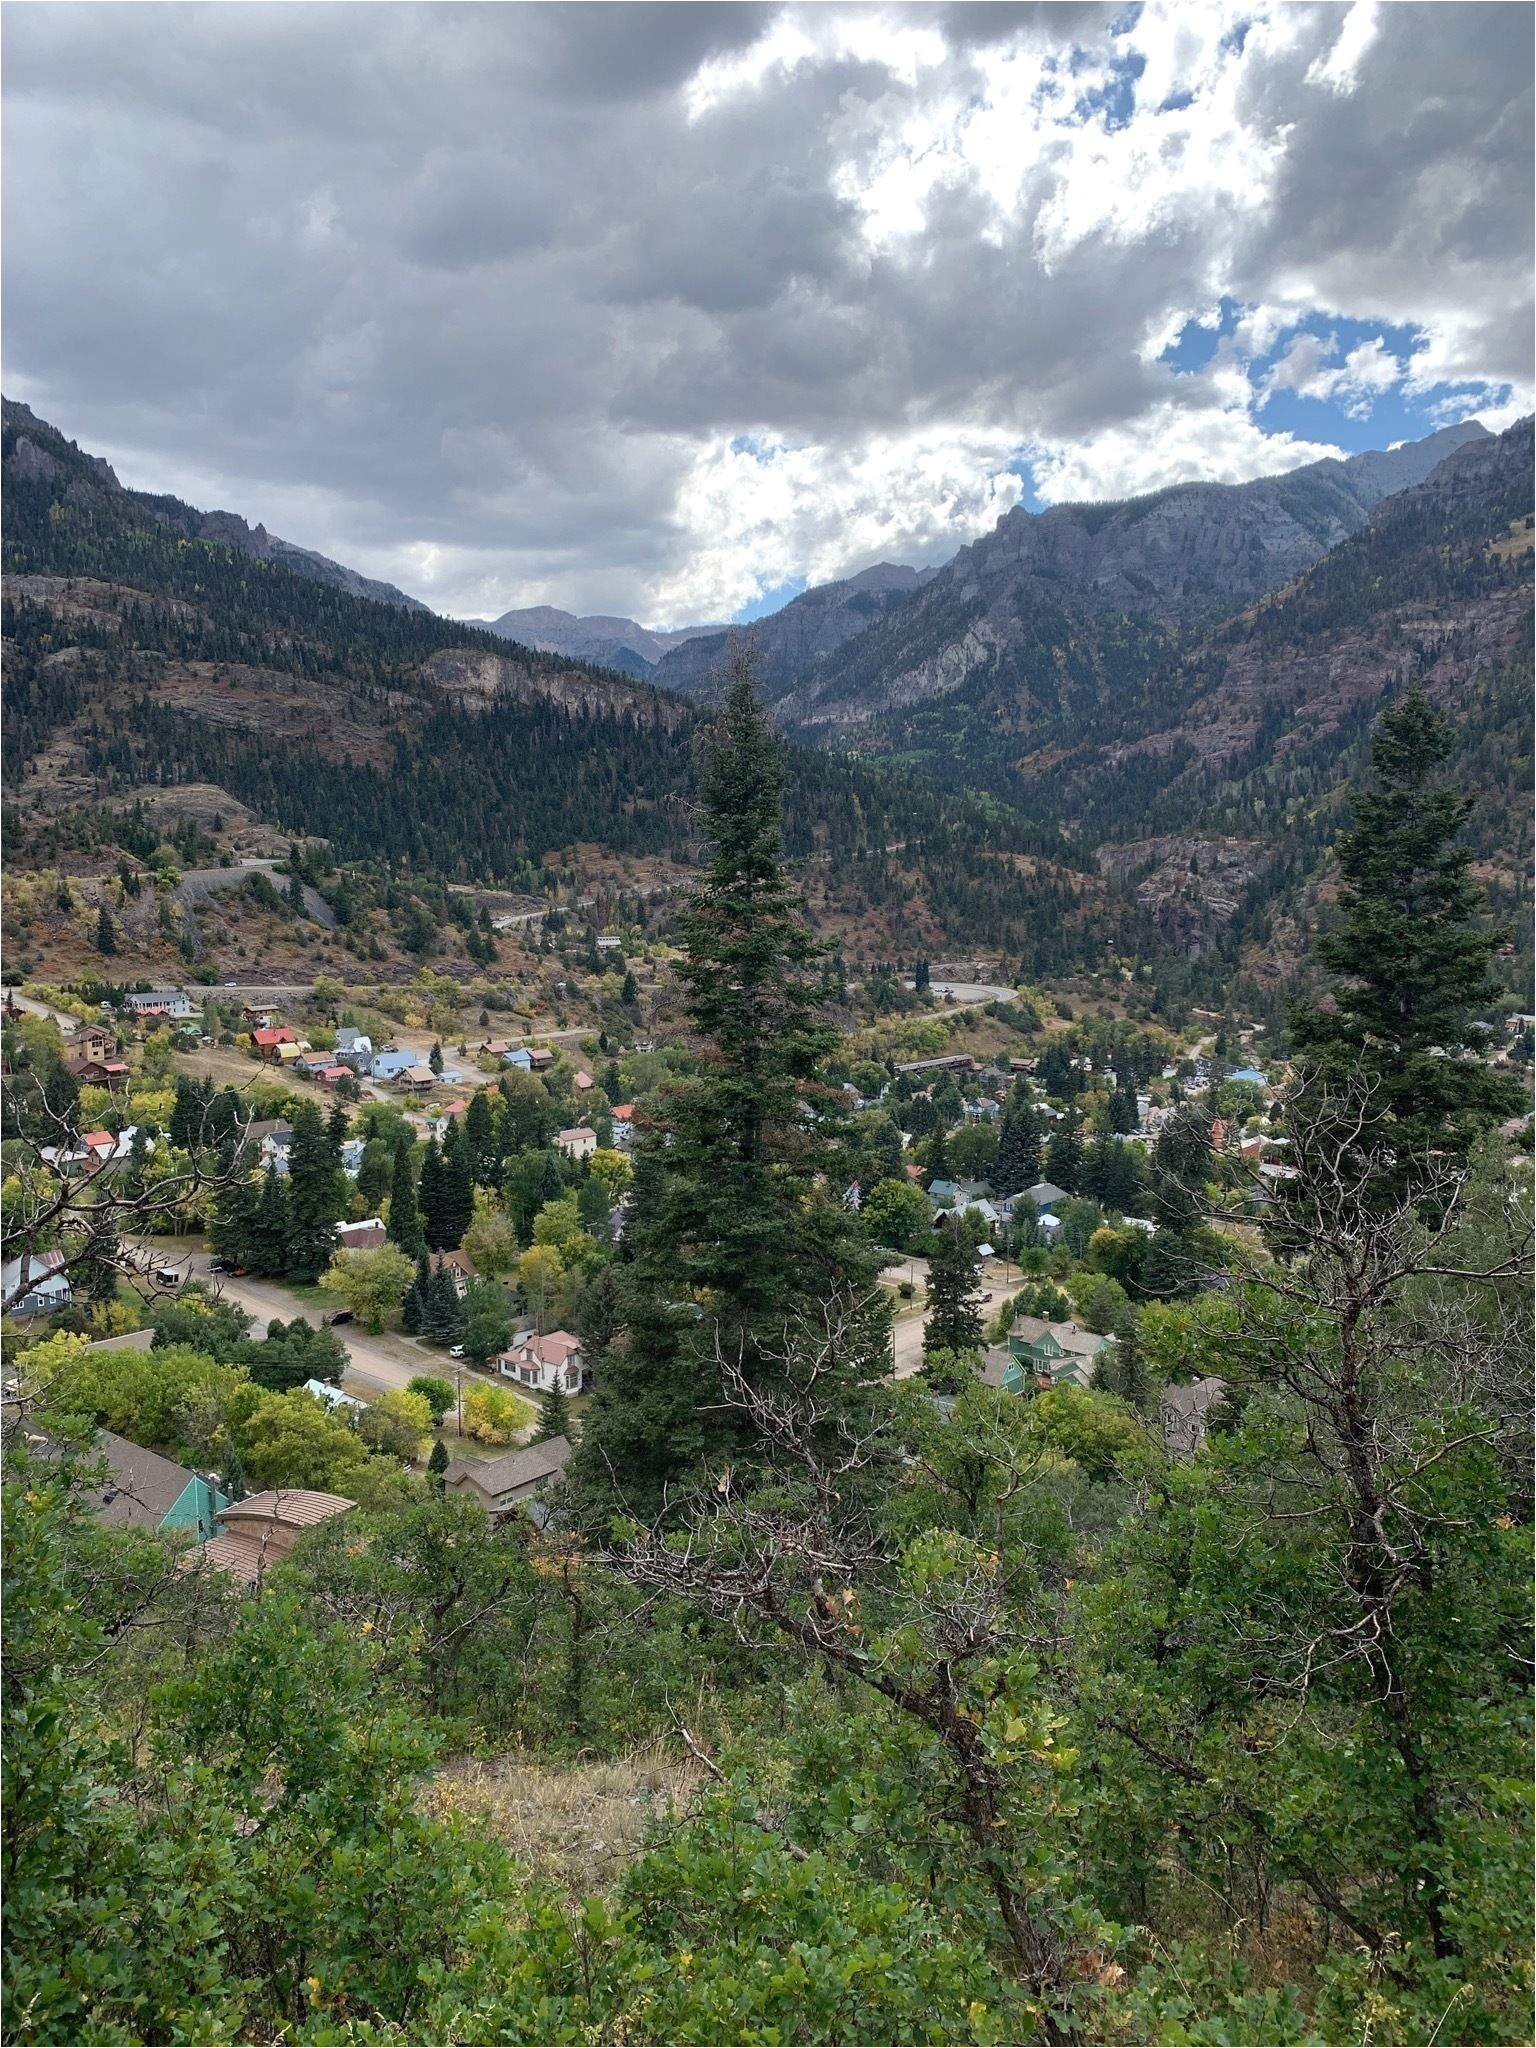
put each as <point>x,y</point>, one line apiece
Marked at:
<point>1057,1351</point>
<point>260,1531</point>
<point>142,1490</point>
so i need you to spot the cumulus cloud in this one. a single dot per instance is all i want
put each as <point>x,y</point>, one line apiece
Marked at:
<point>654,308</point>
<point>1312,367</point>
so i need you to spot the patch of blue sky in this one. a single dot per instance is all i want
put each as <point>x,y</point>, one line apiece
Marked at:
<point>1114,102</point>
<point>1196,345</point>
<point>1392,417</point>
<point>1353,417</point>
<point>769,601</point>
<point>755,445</point>
<point>1356,418</point>
<point>1022,466</point>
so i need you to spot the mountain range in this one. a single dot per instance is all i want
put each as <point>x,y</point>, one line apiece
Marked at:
<point>1101,729</point>
<point>32,456</point>
<point>839,653</point>
<point>617,643</point>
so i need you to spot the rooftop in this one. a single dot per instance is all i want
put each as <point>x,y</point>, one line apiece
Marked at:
<point>512,1469</point>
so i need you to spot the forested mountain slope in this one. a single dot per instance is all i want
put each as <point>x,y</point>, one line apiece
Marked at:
<point>142,655</point>
<point>37,453</point>
<point>1224,775</point>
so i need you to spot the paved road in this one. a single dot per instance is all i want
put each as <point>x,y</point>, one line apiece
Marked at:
<point>33,1008</point>
<point>964,992</point>
<point>997,1280</point>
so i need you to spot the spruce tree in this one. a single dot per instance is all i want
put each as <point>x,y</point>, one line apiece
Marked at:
<point>480,1133</point>
<point>954,1296</point>
<point>106,933</point>
<point>458,1188</point>
<point>551,1180</point>
<point>1064,1153</point>
<point>317,1197</point>
<point>1018,1142</point>
<point>744,1225</point>
<point>432,1196</point>
<point>1411,953</point>
<point>437,1465</point>
<point>404,1224</point>
<point>554,1417</point>
<point>269,1243</point>
<point>443,1317</point>
<point>435,1057</point>
<point>234,1216</point>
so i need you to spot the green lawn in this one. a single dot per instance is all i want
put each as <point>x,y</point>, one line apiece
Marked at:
<point>312,1297</point>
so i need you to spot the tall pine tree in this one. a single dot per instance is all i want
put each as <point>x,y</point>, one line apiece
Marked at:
<point>1411,952</point>
<point>743,1227</point>
<point>1018,1142</point>
<point>316,1195</point>
<point>954,1297</point>
<point>404,1225</point>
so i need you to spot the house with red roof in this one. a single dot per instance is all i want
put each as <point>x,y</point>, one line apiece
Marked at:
<point>266,1039</point>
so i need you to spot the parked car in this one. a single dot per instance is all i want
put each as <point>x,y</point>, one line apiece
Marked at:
<point>167,1276</point>
<point>455,1350</point>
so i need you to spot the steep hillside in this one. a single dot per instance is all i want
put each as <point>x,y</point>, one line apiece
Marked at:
<point>36,453</point>
<point>1255,734</point>
<point>1053,604</point>
<point>144,658</point>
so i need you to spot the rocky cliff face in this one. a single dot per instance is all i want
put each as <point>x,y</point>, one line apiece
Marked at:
<point>1180,557</point>
<point>1193,887</point>
<point>472,676</point>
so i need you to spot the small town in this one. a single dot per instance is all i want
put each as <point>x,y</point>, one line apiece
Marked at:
<point>767,1025</point>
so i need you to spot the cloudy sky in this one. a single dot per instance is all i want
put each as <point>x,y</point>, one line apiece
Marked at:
<point>667,310</point>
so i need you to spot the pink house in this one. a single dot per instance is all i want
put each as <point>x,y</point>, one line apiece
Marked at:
<point>543,1363</point>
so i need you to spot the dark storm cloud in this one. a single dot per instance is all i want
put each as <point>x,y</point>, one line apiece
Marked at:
<point>483,298</point>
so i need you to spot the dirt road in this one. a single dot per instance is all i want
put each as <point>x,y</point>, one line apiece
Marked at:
<point>377,1363</point>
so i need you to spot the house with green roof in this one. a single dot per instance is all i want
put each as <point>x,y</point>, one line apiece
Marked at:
<point>1058,1351</point>
<point>142,1490</point>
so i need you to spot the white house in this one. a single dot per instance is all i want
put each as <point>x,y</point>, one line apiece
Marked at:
<point>334,1398</point>
<point>161,1002</point>
<point>47,1288</point>
<point>544,1363</point>
<point>580,1142</point>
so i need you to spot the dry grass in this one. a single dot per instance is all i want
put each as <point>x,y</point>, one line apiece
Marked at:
<point>577,1824</point>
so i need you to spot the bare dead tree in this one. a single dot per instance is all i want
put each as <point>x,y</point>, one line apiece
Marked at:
<point>66,1211</point>
<point>1353,1329</point>
<point>788,1553</point>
